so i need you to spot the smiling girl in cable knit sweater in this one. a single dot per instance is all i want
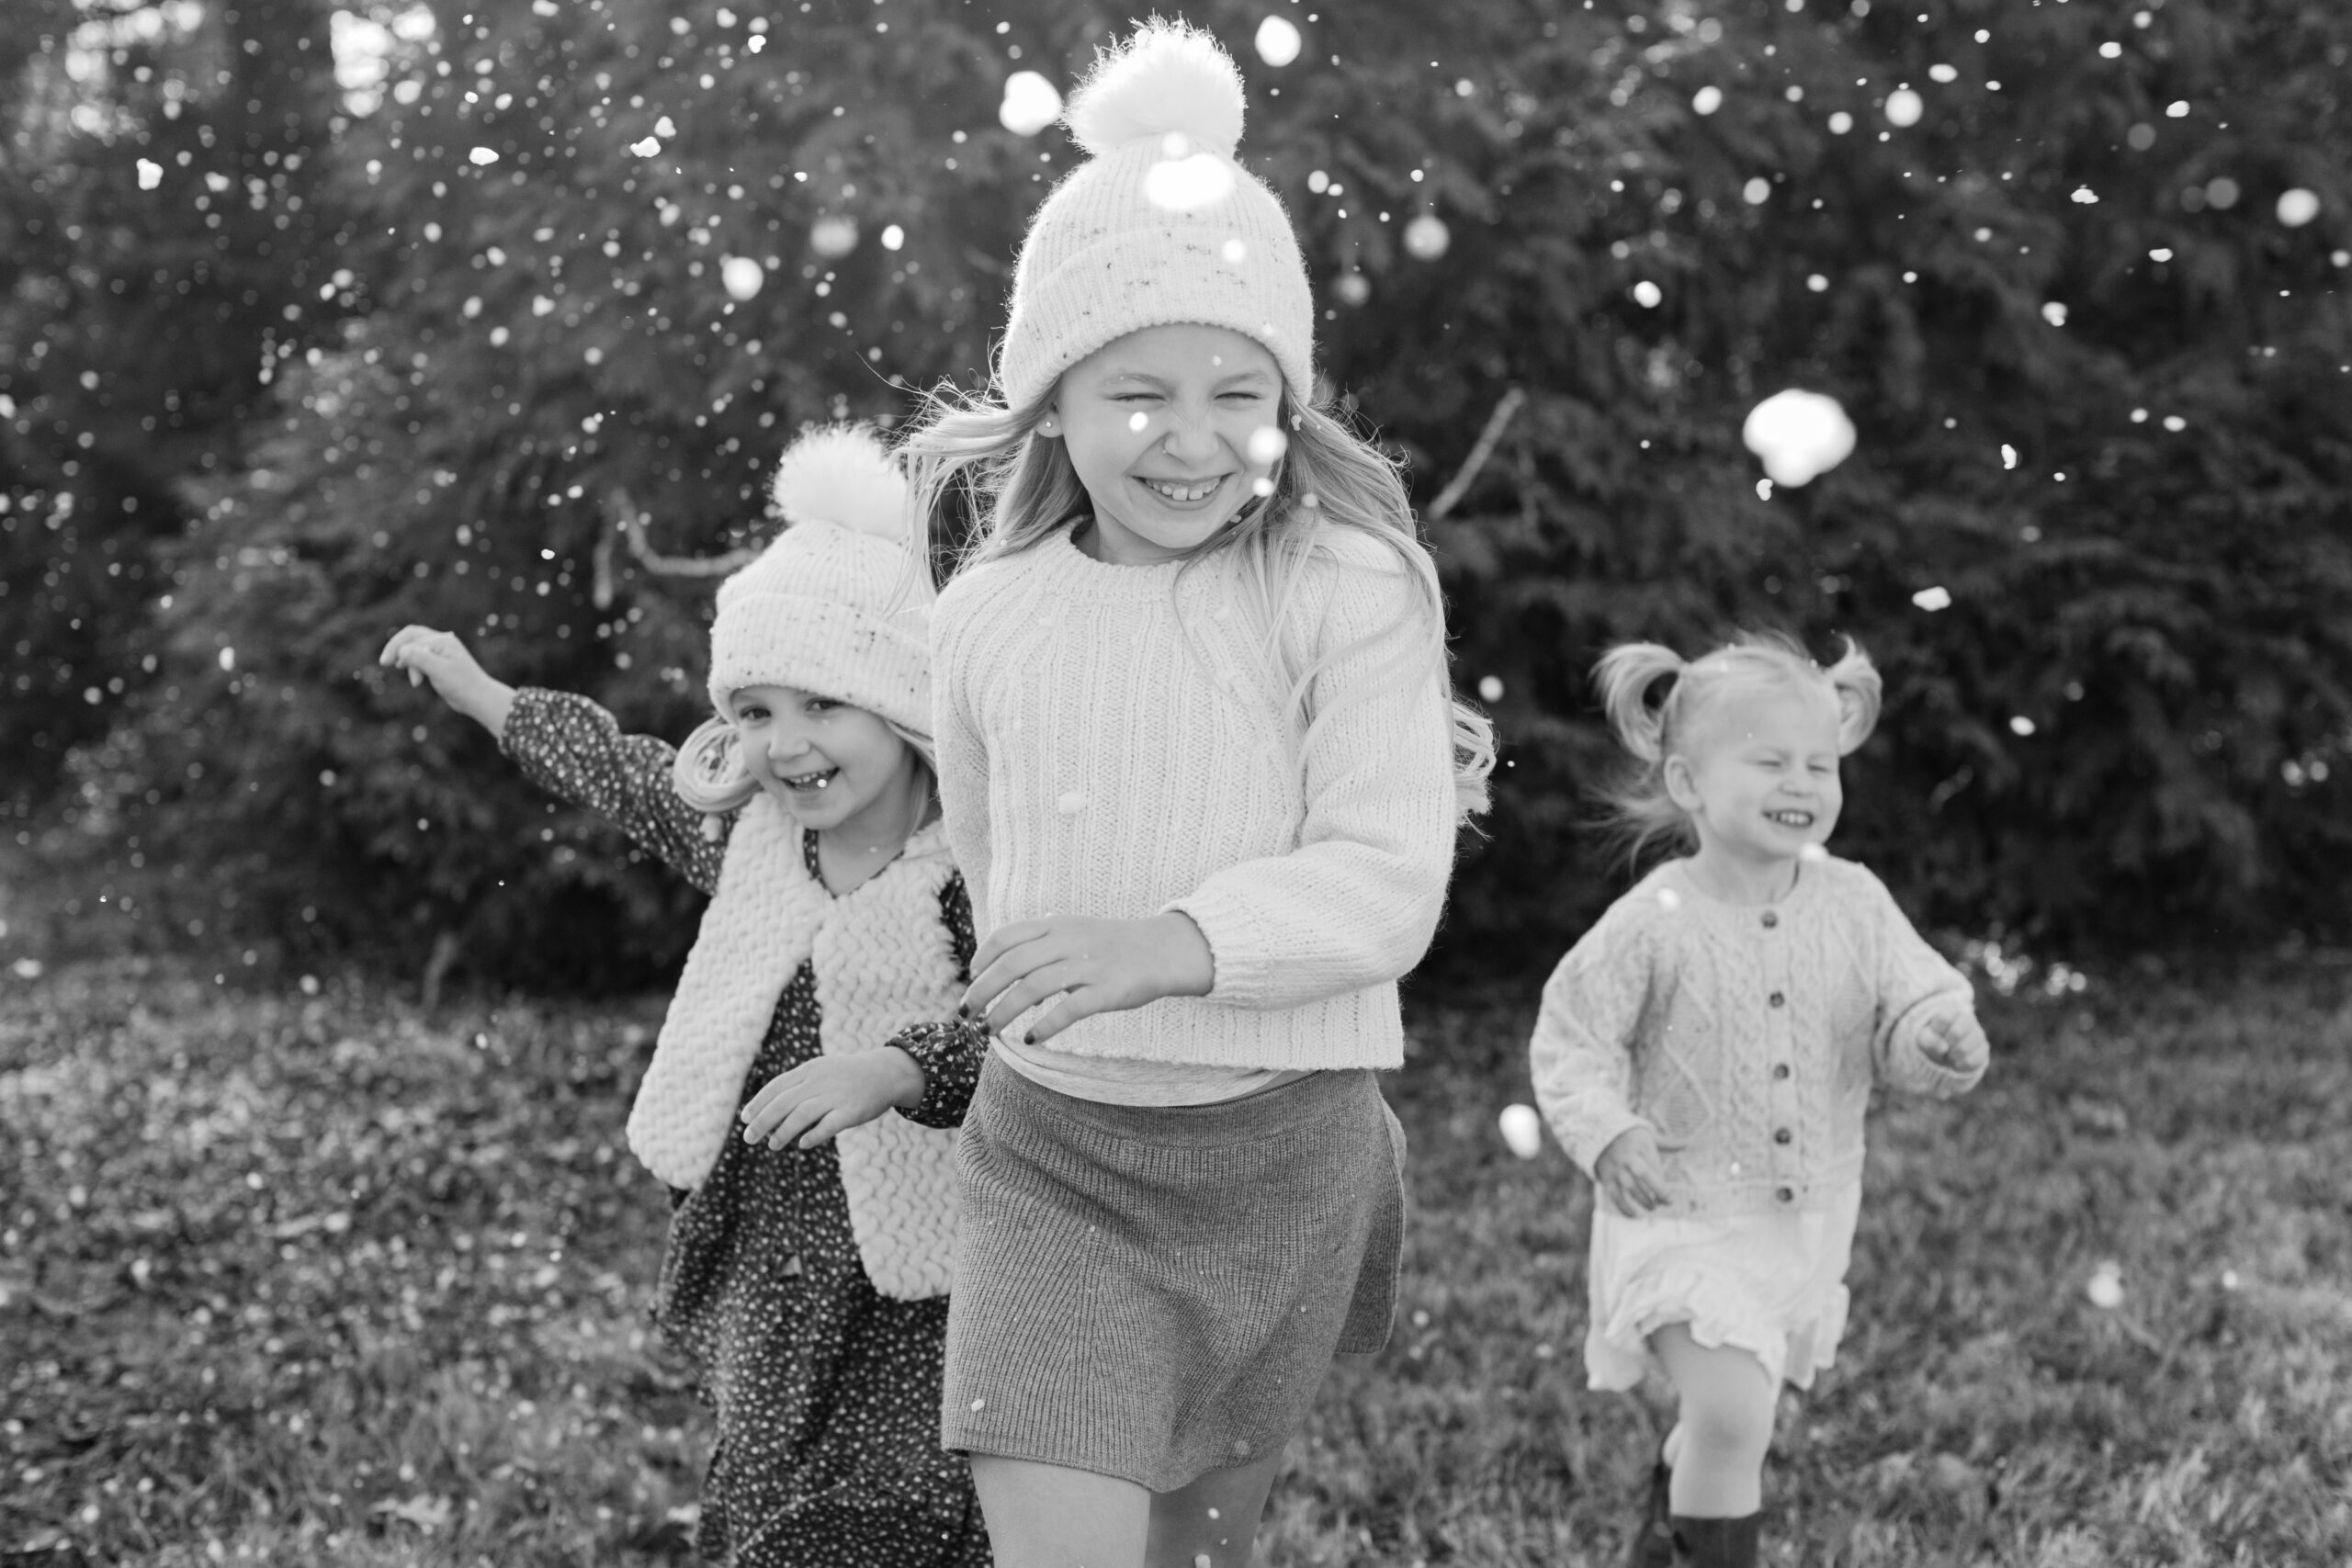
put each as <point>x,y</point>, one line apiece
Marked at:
<point>1199,759</point>
<point>1707,1051</point>
<point>809,1253</point>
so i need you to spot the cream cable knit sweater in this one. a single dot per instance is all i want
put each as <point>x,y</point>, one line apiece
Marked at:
<point>1748,1038</point>
<point>1095,761</point>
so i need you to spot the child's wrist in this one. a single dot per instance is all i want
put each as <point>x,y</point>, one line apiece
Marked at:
<point>908,1083</point>
<point>1191,963</point>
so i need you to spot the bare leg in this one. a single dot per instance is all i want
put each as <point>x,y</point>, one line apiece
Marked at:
<point>1724,1428</point>
<point>1212,1522</point>
<point>1048,1516</point>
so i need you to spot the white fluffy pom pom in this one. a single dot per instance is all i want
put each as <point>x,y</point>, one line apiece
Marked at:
<point>843,474</point>
<point>1169,78</point>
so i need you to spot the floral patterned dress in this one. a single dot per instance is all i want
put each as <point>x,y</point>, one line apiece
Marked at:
<point>826,1393</point>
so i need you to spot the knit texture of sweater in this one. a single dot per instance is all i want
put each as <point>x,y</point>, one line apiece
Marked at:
<point>882,963</point>
<point>1112,744</point>
<point>1747,1037</point>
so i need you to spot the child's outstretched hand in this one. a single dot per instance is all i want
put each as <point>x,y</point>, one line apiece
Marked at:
<point>1630,1172</point>
<point>816,1100</point>
<point>457,677</point>
<point>1956,1042</point>
<point>1094,966</point>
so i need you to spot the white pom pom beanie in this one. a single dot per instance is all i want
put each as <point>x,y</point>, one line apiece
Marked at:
<point>1159,225</point>
<point>838,605</point>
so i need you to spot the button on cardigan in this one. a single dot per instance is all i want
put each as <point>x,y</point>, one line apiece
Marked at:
<point>1747,1039</point>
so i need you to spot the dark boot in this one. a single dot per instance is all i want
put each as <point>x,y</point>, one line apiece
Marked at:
<point>1652,1543</point>
<point>1716,1544</point>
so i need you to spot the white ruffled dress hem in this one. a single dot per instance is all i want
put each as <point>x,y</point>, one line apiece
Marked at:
<point>1773,1285</point>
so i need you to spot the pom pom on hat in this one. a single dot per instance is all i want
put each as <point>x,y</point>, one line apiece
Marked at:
<point>842,474</point>
<point>838,605</point>
<point>1167,80</point>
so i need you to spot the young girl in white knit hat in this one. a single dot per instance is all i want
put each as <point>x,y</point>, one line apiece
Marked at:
<point>1707,1053</point>
<point>1201,760</point>
<point>809,1252</point>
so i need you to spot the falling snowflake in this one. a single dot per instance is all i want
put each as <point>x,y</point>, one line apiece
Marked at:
<point>1523,1130</point>
<point>1278,42</point>
<point>1427,237</point>
<point>1031,104</point>
<point>1798,435</point>
<point>743,276</point>
<point>1932,599</point>
<point>2105,1288</point>
<point>1188,181</point>
<point>833,236</point>
<point>2296,207</point>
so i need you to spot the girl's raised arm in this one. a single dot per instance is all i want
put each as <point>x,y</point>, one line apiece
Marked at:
<point>569,746</point>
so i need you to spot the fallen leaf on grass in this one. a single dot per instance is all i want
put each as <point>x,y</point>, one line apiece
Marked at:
<point>427,1512</point>
<point>2090,1114</point>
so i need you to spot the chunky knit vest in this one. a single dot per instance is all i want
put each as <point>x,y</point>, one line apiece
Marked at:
<point>883,961</point>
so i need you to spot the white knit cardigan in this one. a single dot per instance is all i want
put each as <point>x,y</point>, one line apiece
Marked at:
<point>883,961</point>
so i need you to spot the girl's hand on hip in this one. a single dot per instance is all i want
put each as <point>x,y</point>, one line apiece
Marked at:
<point>1956,1042</point>
<point>1094,966</point>
<point>458,678</point>
<point>1631,1172</point>
<point>816,1100</point>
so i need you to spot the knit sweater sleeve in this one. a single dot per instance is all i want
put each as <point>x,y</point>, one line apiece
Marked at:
<point>1916,990</point>
<point>1581,1056</point>
<point>1356,903</point>
<point>949,1051</point>
<point>962,753</point>
<point>569,746</point>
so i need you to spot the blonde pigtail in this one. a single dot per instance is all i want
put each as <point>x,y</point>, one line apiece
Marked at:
<point>709,775</point>
<point>1856,682</point>
<point>1625,676</point>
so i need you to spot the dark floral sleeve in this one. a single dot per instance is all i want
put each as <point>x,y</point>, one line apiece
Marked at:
<point>569,746</point>
<point>951,1051</point>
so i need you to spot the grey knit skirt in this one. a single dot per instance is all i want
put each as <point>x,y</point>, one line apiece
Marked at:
<point>1153,1293</point>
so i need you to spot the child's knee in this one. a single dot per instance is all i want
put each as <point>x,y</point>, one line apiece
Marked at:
<point>1728,1414</point>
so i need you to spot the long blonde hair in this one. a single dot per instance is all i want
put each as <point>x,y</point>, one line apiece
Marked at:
<point>973,454</point>
<point>1639,811</point>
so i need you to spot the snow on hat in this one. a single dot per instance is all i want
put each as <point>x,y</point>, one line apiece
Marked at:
<point>1159,225</point>
<point>836,605</point>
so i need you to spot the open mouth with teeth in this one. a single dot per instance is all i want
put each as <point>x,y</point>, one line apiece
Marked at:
<point>809,782</point>
<point>1182,492</point>
<point>1799,821</point>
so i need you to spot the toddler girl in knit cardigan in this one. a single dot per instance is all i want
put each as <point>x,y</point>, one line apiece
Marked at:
<point>1707,1051</point>
<point>1199,759</point>
<point>810,1250</point>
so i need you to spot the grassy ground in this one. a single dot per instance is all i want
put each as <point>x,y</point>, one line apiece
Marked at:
<point>315,1279</point>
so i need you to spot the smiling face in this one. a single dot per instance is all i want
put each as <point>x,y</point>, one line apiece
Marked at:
<point>831,765</point>
<point>1759,775</point>
<point>1158,426</point>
